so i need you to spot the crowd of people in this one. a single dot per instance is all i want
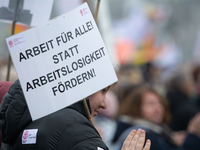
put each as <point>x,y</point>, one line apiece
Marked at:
<point>67,129</point>
<point>149,108</point>
<point>167,110</point>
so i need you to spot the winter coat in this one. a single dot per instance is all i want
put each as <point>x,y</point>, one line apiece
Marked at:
<point>159,136</point>
<point>182,110</point>
<point>66,129</point>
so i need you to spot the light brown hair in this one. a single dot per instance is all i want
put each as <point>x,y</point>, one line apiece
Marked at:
<point>131,104</point>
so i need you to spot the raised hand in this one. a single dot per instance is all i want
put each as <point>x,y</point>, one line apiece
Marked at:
<point>135,141</point>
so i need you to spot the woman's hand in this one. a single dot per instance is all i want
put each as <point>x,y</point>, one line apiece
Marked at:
<point>135,141</point>
<point>194,125</point>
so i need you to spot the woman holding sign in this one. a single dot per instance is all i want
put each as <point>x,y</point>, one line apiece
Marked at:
<point>68,128</point>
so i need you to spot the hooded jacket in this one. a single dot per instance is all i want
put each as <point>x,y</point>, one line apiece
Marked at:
<point>66,129</point>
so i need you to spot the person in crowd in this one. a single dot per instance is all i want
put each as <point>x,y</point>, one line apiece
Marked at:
<point>183,103</point>
<point>121,126</point>
<point>105,121</point>
<point>4,87</point>
<point>146,109</point>
<point>128,74</point>
<point>68,128</point>
<point>196,78</point>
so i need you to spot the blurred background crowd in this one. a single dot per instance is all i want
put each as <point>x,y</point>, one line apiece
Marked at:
<point>155,48</point>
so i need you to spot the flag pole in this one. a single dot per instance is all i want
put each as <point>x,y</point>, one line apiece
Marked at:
<point>9,57</point>
<point>97,11</point>
<point>88,112</point>
<point>12,33</point>
<point>84,100</point>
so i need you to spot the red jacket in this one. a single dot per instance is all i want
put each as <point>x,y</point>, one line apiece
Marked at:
<point>4,87</point>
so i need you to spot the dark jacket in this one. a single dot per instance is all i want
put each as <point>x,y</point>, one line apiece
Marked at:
<point>66,129</point>
<point>182,110</point>
<point>159,136</point>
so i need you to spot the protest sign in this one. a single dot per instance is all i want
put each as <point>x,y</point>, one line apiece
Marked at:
<point>29,12</point>
<point>61,61</point>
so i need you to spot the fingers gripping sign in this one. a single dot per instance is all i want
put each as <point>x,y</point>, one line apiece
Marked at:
<point>135,141</point>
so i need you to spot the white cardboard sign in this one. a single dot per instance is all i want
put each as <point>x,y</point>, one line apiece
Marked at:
<point>61,61</point>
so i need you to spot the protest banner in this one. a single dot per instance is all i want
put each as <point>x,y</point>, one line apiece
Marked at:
<point>61,61</point>
<point>29,12</point>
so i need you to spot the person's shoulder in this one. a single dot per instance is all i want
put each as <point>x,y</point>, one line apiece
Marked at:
<point>64,117</point>
<point>63,128</point>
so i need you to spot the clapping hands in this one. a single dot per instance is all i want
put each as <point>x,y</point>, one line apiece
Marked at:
<point>135,141</point>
